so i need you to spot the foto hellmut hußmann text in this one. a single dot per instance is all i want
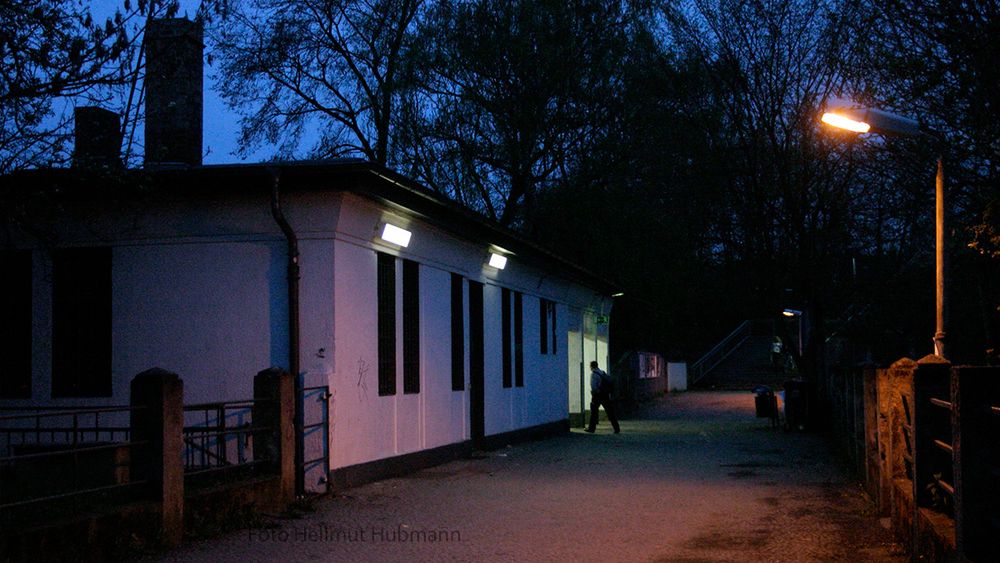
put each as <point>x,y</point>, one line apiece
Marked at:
<point>323,533</point>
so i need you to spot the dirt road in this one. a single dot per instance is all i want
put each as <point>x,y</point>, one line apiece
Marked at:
<point>695,478</point>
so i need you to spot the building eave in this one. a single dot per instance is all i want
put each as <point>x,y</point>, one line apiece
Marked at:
<point>367,179</point>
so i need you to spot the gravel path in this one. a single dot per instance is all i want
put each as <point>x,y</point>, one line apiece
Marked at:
<point>695,478</point>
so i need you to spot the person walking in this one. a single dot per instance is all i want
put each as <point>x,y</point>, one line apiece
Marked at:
<point>601,388</point>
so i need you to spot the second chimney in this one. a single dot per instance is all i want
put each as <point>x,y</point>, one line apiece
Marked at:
<point>97,138</point>
<point>174,71</point>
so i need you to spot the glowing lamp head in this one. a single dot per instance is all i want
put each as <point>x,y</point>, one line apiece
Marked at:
<point>843,122</point>
<point>395,235</point>
<point>791,313</point>
<point>498,261</point>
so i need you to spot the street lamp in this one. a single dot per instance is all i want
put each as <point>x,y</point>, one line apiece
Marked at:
<point>863,120</point>
<point>797,315</point>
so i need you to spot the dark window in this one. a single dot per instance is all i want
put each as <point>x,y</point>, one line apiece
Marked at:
<point>547,326</point>
<point>543,325</point>
<point>518,339</point>
<point>552,325</point>
<point>386,324</point>
<point>457,335</point>
<point>15,324</point>
<point>411,327</point>
<point>81,322</point>
<point>505,337</point>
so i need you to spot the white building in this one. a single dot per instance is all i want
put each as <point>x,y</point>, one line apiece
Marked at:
<point>427,349</point>
<point>189,273</point>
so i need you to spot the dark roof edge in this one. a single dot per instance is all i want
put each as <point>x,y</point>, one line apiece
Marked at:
<point>366,178</point>
<point>472,223</point>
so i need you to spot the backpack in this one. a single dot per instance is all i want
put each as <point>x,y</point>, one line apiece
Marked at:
<point>607,383</point>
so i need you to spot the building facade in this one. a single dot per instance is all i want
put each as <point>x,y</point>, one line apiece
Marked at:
<point>217,272</point>
<point>424,347</point>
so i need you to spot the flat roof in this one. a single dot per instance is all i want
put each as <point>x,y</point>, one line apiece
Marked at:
<point>365,178</point>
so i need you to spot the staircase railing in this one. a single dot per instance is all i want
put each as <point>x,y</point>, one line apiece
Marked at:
<point>718,353</point>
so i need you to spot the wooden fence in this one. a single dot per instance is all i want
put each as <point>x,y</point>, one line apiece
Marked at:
<point>924,438</point>
<point>159,459</point>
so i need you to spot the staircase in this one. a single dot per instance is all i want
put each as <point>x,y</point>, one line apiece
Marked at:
<point>741,361</point>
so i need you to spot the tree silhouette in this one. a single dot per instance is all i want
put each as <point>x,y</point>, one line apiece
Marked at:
<point>332,67</point>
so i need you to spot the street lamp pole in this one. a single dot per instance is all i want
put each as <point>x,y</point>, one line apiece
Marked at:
<point>939,301</point>
<point>862,120</point>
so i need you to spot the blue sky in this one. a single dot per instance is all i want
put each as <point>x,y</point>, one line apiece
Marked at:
<point>221,125</point>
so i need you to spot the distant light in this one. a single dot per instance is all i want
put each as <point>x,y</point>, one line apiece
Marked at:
<point>842,122</point>
<point>791,313</point>
<point>498,261</point>
<point>619,294</point>
<point>395,235</point>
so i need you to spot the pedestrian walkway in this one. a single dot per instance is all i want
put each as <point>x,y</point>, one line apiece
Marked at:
<point>695,478</point>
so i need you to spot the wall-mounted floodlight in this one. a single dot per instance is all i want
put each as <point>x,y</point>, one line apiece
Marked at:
<point>792,313</point>
<point>498,261</point>
<point>395,235</point>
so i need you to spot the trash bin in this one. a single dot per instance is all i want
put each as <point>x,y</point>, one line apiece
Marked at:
<point>796,404</point>
<point>765,403</point>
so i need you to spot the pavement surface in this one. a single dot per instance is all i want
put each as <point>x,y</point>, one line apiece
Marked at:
<point>694,478</point>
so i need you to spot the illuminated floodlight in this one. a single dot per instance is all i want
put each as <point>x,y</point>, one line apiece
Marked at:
<point>498,261</point>
<point>792,313</point>
<point>844,122</point>
<point>845,114</point>
<point>395,235</point>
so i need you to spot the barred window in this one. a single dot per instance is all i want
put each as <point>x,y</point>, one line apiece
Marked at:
<point>543,326</point>
<point>386,324</point>
<point>457,334</point>
<point>81,322</point>
<point>547,326</point>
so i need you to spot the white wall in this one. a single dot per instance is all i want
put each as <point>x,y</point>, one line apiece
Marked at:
<point>368,427</point>
<point>448,411</point>
<point>216,314</point>
<point>200,289</point>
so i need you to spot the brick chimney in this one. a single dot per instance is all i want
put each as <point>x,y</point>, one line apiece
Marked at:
<point>97,138</point>
<point>174,69</point>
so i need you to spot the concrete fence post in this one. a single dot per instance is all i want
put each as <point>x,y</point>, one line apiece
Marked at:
<point>157,421</point>
<point>274,412</point>
<point>883,437</point>
<point>974,393</point>
<point>900,406</point>
<point>897,404</point>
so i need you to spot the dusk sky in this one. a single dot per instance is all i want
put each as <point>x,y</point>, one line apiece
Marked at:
<point>465,224</point>
<point>221,126</point>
